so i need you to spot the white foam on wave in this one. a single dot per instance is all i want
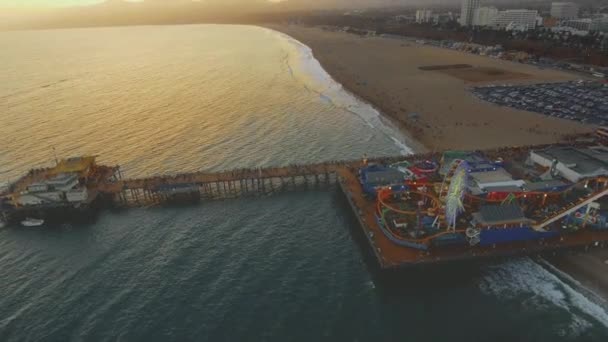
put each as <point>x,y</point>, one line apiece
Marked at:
<point>577,284</point>
<point>331,91</point>
<point>524,278</point>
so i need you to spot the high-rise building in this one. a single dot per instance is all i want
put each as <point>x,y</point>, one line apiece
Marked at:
<point>517,19</point>
<point>467,11</point>
<point>424,16</point>
<point>564,10</point>
<point>483,16</point>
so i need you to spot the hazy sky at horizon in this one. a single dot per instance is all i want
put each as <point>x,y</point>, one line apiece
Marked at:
<point>65,3</point>
<point>35,3</point>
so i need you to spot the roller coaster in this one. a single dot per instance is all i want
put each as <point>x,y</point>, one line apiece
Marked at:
<point>419,213</point>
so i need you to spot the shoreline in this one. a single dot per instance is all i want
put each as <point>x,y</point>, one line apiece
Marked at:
<point>404,141</point>
<point>592,278</point>
<point>435,110</point>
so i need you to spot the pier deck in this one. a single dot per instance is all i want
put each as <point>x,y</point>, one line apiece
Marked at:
<point>221,185</point>
<point>390,255</point>
<point>107,182</point>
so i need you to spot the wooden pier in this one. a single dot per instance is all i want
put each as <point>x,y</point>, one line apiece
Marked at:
<point>222,185</point>
<point>245,182</point>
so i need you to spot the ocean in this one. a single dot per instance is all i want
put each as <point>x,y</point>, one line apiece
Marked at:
<point>290,267</point>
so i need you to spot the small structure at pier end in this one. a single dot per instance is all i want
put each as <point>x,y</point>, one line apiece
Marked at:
<point>68,187</point>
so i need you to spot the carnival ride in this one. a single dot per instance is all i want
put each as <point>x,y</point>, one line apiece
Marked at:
<point>407,216</point>
<point>416,214</point>
<point>454,186</point>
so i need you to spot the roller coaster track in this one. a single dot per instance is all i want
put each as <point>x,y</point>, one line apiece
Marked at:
<point>434,199</point>
<point>396,238</point>
<point>539,226</point>
<point>571,209</point>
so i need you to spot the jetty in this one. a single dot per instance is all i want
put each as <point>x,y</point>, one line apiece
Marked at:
<point>402,203</point>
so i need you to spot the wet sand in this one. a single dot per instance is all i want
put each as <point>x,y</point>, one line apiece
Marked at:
<point>385,72</point>
<point>590,269</point>
<point>433,107</point>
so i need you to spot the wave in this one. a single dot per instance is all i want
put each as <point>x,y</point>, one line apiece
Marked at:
<point>330,91</point>
<point>538,288</point>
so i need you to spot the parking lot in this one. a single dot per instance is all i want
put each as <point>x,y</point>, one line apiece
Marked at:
<point>583,101</point>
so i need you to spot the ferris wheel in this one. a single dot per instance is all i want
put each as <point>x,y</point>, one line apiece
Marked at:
<point>455,181</point>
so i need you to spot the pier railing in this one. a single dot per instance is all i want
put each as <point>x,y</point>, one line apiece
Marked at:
<point>253,181</point>
<point>238,182</point>
<point>222,185</point>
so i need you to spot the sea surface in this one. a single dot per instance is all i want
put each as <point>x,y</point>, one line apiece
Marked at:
<point>290,267</point>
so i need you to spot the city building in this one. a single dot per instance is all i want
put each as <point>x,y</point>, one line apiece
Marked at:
<point>599,24</point>
<point>424,16</point>
<point>539,21</point>
<point>483,16</point>
<point>467,11</point>
<point>564,10</point>
<point>578,24</point>
<point>569,30</point>
<point>515,20</point>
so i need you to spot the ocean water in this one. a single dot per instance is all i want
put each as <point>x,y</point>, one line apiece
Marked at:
<point>290,267</point>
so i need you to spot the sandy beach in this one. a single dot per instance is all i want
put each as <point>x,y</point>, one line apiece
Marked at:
<point>434,107</point>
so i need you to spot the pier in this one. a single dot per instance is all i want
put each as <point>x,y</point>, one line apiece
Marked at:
<point>222,185</point>
<point>79,184</point>
<point>249,182</point>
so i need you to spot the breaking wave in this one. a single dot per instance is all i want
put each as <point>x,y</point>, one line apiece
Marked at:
<point>537,288</point>
<point>317,80</point>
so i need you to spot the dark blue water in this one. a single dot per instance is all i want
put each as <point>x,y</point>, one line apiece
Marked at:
<point>291,267</point>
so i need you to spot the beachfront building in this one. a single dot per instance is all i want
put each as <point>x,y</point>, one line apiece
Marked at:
<point>483,16</point>
<point>599,24</point>
<point>564,10</point>
<point>424,16</point>
<point>540,21</point>
<point>467,11</point>
<point>515,20</point>
<point>569,30</point>
<point>578,24</point>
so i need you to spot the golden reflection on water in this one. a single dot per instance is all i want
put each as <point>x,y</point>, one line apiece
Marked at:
<point>167,99</point>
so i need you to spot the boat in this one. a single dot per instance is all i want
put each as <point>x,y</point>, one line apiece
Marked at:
<point>32,222</point>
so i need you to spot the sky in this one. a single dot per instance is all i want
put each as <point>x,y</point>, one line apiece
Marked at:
<point>36,3</point>
<point>68,3</point>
